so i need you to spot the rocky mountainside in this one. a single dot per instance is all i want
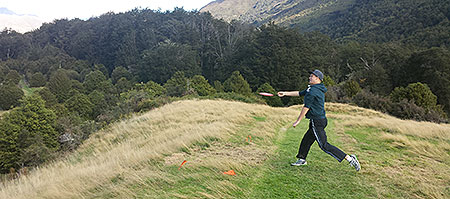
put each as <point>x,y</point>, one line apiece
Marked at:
<point>278,11</point>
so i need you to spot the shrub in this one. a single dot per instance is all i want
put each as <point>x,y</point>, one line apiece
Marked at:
<point>13,77</point>
<point>336,94</point>
<point>37,80</point>
<point>351,88</point>
<point>48,97</point>
<point>10,95</point>
<point>271,101</point>
<point>123,85</point>
<point>80,103</point>
<point>93,81</point>
<point>28,134</point>
<point>177,85</point>
<point>237,84</point>
<point>327,81</point>
<point>201,86</point>
<point>403,109</point>
<point>419,93</point>
<point>60,85</point>
<point>369,100</point>
<point>219,87</point>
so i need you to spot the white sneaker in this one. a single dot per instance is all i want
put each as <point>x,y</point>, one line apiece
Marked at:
<point>299,162</point>
<point>355,163</point>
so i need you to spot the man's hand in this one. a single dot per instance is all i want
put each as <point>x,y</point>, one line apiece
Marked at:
<point>280,94</point>
<point>296,123</point>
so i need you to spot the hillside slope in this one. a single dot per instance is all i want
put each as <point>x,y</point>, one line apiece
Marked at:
<point>262,11</point>
<point>140,157</point>
<point>419,22</point>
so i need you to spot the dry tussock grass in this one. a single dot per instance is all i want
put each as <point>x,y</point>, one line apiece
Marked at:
<point>124,150</point>
<point>356,116</point>
<point>424,173</point>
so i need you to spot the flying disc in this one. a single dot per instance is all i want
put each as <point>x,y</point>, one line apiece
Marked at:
<point>266,94</point>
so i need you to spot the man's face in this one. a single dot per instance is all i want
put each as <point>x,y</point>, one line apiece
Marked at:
<point>313,79</point>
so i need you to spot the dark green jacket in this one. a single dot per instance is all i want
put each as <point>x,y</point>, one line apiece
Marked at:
<point>315,101</point>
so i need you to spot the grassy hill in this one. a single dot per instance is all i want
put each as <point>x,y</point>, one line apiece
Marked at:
<point>140,157</point>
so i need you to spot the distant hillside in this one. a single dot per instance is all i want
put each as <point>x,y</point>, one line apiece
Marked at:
<point>420,22</point>
<point>262,11</point>
<point>18,22</point>
<point>142,157</point>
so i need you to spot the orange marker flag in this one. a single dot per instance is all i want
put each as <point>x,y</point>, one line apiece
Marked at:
<point>248,138</point>
<point>230,172</point>
<point>184,162</point>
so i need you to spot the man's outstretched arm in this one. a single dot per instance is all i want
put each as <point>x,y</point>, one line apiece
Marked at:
<point>288,93</point>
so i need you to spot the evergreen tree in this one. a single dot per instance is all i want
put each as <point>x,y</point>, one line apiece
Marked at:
<point>327,81</point>
<point>237,84</point>
<point>98,101</point>
<point>201,86</point>
<point>93,81</point>
<point>218,87</point>
<point>123,85</point>
<point>351,88</point>
<point>120,72</point>
<point>80,103</point>
<point>9,96</point>
<point>13,77</point>
<point>27,132</point>
<point>60,85</point>
<point>48,97</point>
<point>37,80</point>
<point>177,85</point>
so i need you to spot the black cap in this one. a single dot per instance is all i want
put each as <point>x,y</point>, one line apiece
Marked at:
<point>318,73</point>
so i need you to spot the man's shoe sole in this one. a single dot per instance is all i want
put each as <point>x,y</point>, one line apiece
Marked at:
<point>292,164</point>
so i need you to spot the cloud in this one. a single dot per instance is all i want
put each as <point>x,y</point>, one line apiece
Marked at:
<point>20,24</point>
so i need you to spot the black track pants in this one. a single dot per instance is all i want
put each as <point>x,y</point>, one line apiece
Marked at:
<point>317,132</point>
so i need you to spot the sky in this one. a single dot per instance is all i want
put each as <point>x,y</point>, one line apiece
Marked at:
<point>49,10</point>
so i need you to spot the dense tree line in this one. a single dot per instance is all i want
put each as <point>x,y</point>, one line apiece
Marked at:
<point>418,22</point>
<point>87,74</point>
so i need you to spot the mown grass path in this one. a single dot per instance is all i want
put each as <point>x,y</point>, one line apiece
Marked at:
<point>322,177</point>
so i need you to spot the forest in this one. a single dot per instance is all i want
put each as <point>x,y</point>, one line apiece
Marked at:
<point>70,78</point>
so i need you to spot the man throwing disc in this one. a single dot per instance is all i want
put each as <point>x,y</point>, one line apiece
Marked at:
<point>314,110</point>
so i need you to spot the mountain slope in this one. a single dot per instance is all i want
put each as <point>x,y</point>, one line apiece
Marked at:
<point>141,157</point>
<point>262,11</point>
<point>17,22</point>
<point>419,22</point>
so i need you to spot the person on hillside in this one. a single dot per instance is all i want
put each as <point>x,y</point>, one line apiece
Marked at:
<point>314,110</point>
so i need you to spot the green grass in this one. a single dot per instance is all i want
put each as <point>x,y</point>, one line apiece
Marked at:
<point>27,90</point>
<point>323,177</point>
